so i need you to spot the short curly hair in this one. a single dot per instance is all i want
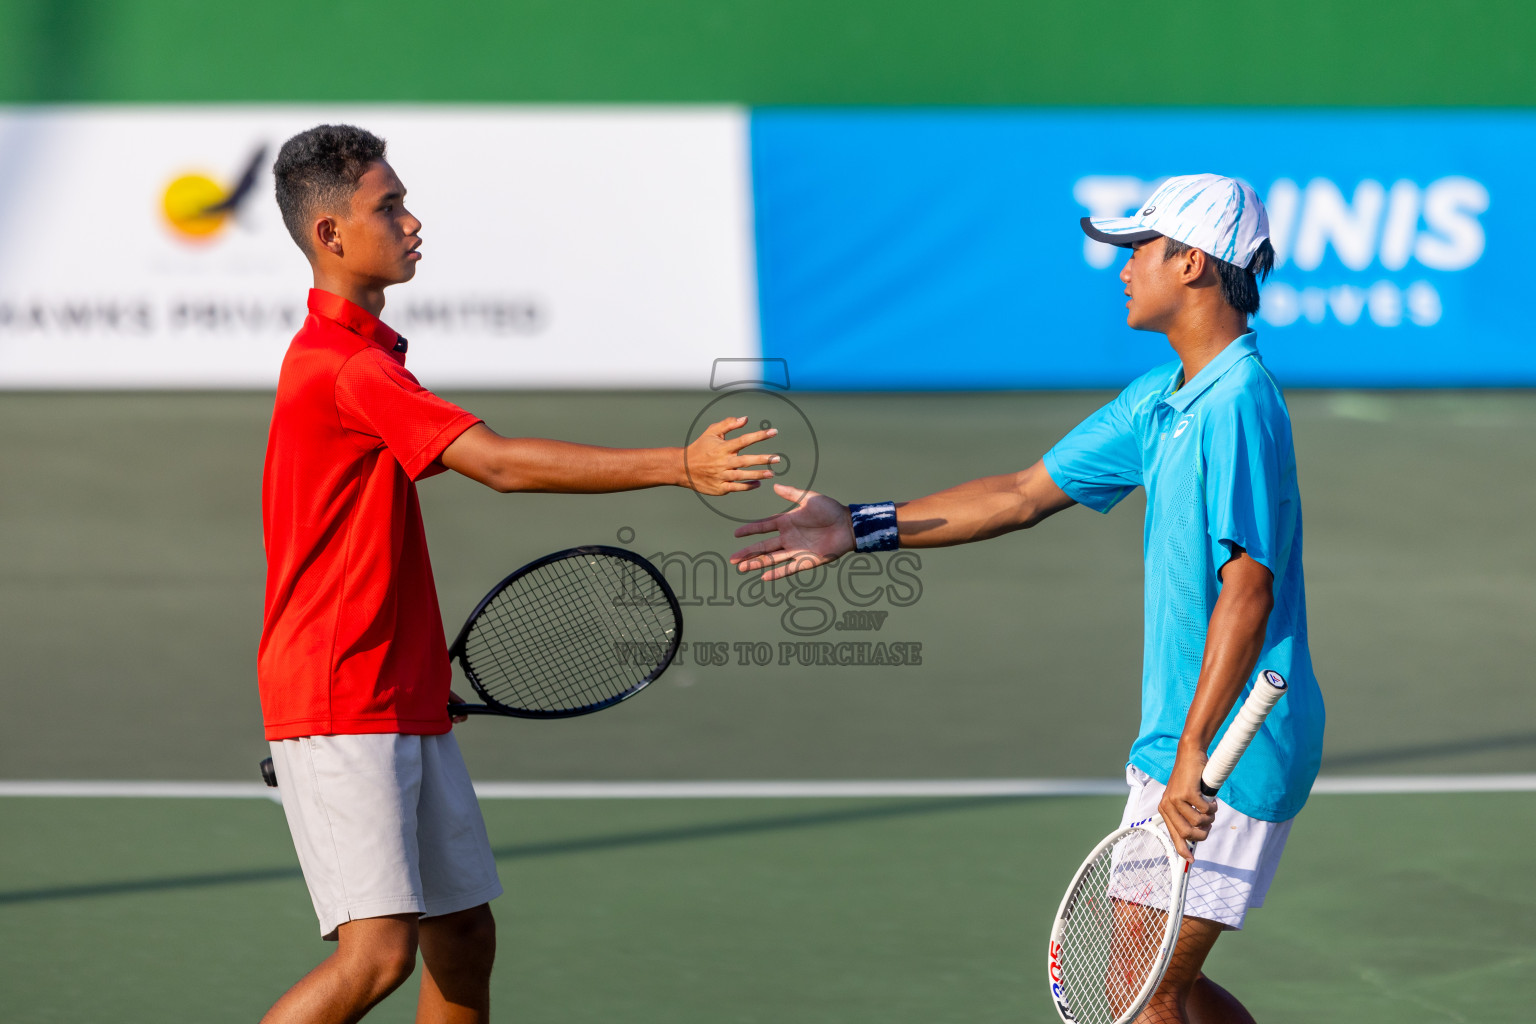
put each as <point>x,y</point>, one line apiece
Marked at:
<point>319,170</point>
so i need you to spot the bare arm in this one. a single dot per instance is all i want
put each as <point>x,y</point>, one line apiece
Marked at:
<point>713,464</point>
<point>818,530</point>
<point>980,509</point>
<point>1232,645</point>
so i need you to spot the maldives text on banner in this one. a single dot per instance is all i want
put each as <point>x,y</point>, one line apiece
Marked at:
<point>580,247</point>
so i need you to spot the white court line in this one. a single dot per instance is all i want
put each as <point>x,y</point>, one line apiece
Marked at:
<point>790,788</point>
<point>83,787</point>
<point>1332,785</point>
<point>1372,784</point>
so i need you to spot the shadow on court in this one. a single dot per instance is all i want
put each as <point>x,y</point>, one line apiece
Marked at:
<point>526,851</point>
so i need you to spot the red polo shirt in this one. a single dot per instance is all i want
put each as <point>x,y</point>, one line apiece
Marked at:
<point>352,640</point>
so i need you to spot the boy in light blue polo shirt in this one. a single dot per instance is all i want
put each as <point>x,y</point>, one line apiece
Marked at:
<point>1216,459</point>
<point>1209,437</point>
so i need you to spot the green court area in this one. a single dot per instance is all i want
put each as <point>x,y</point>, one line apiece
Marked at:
<point>131,589</point>
<point>131,592</point>
<point>1387,909</point>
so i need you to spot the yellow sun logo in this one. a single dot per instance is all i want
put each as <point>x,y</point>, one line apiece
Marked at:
<point>196,206</point>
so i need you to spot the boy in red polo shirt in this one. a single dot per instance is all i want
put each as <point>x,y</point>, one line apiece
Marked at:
<point>353,666</point>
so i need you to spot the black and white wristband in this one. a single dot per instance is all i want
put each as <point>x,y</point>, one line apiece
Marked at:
<point>874,526</point>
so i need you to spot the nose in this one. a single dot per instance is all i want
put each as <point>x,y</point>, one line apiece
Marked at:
<point>412,225</point>
<point>1125,272</point>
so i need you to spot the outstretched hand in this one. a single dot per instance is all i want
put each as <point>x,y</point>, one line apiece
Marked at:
<point>713,463</point>
<point>816,531</point>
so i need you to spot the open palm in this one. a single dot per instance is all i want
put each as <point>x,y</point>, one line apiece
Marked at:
<point>816,531</point>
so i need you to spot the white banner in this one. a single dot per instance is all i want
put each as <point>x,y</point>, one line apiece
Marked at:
<point>561,247</point>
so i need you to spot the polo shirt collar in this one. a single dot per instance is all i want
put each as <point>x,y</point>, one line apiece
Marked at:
<point>1241,347</point>
<point>357,320</point>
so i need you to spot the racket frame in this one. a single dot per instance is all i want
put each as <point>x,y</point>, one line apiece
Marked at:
<point>1177,888</point>
<point>456,651</point>
<point>1268,687</point>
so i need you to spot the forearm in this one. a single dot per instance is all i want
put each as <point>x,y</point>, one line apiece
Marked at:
<point>820,530</point>
<point>1233,643</point>
<point>535,464</point>
<point>980,509</point>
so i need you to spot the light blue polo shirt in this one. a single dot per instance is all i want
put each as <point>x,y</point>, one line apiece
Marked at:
<point>1216,459</point>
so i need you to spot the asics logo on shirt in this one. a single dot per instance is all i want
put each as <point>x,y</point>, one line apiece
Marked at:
<point>1183,425</point>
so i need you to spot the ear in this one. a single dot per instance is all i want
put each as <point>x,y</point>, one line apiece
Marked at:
<point>1192,265</point>
<point>326,235</point>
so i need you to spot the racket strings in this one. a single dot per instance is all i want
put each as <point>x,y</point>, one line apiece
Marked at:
<point>1115,927</point>
<point>574,633</point>
<point>561,618</point>
<point>557,652</point>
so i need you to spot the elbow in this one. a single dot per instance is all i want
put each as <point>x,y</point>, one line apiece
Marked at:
<point>1030,515</point>
<point>504,478</point>
<point>508,482</point>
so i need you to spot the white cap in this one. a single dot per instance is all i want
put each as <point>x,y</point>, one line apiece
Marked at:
<point>1221,216</point>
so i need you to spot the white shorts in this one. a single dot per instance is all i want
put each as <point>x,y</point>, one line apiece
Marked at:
<point>384,824</point>
<point>1233,868</point>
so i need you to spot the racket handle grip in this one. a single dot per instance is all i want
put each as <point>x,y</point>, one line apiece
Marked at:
<point>1267,691</point>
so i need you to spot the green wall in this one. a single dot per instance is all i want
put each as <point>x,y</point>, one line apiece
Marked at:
<point>1301,52</point>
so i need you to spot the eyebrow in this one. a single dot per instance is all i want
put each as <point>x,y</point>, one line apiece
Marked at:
<point>391,197</point>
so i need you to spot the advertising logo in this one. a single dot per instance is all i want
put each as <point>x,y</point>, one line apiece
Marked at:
<point>197,206</point>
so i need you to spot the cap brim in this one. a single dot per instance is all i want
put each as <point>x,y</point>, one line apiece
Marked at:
<point>1122,231</point>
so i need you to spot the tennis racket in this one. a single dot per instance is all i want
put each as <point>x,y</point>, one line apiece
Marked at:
<point>1119,921</point>
<point>567,634</point>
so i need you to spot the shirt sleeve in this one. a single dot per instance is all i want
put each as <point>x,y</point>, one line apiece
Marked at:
<point>1245,471</point>
<point>1099,462</point>
<point>381,401</point>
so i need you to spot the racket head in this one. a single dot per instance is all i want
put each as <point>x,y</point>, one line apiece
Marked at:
<point>1117,925</point>
<point>570,633</point>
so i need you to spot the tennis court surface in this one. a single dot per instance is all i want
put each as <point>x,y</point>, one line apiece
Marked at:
<point>754,911</point>
<point>131,589</point>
